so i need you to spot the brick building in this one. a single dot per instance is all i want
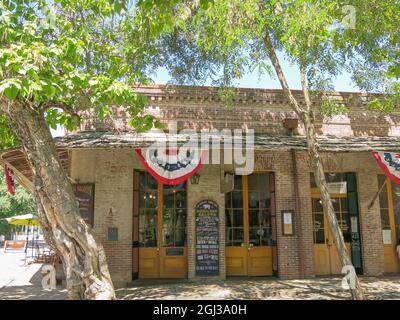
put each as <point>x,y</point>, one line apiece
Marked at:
<point>270,222</point>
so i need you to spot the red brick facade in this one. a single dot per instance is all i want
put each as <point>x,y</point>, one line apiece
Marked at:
<point>264,111</point>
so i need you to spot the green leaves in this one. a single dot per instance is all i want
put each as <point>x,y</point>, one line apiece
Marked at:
<point>21,203</point>
<point>75,54</point>
<point>10,88</point>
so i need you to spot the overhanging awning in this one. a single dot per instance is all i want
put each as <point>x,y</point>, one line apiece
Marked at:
<point>107,140</point>
<point>15,158</point>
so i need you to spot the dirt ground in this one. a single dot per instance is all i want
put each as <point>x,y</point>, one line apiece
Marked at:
<point>20,280</point>
<point>263,289</point>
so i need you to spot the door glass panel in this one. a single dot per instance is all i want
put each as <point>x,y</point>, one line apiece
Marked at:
<point>318,220</point>
<point>383,203</point>
<point>237,218</point>
<point>234,214</point>
<point>259,210</point>
<point>396,210</point>
<point>174,215</point>
<point>237,199</point>
<point>237,236</point>
<point>147,211</point>
<point>344,220</point>
<point>342,216</point>
<point>180,237</point>
<point>148,228</point>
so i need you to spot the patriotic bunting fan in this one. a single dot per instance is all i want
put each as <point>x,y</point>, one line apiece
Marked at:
<point>390,164</point>
<point>9,179</point>
<point>171,166</point>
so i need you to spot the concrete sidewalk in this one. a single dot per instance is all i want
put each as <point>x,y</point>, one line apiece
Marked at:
<point>263,289</point>
<point>21,281</point>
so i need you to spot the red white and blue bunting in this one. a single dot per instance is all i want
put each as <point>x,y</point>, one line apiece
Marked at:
<point>390,164</point>
<point>171,166</point>
<point>9,179</point>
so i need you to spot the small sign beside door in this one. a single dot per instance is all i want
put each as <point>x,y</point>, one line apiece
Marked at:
<point>287,223</point>
<point>207,238</point>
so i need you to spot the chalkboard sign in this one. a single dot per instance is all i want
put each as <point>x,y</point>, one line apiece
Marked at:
<point>84,194</point>
<point>207,240</point>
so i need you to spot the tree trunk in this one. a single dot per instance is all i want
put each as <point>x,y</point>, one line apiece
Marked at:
<point>83,258</point>
<point>306,117</point>
<point>316,165</point>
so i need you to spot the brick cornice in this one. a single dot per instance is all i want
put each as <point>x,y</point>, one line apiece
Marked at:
<point>199,94</point>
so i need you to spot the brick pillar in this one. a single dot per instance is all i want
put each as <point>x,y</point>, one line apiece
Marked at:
<point>208,188</point>
<point>113,208</point>
<point>370,223</point>
<point>306,249</point>
<point>288,262</point>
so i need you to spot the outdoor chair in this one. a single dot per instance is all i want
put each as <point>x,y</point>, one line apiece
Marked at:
<point>15,245</point>
<point>43,254</point>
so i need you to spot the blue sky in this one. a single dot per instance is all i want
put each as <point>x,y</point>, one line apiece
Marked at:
<point>341,83</point>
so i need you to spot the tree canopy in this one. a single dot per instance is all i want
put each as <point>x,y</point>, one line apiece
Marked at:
<point>223,40</point>
<point>65,56</point>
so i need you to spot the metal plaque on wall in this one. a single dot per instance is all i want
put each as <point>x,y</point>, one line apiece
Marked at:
<point>207,238</point>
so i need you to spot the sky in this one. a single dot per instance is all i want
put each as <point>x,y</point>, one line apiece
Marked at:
<point>251,80</point>
<point>341,83</point>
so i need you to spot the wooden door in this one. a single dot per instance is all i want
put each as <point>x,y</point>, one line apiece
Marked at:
<point>326,257</point>
<point>249,229</point>
<point>389,209</point>
<point>162,229</point>
<point>173,251</point>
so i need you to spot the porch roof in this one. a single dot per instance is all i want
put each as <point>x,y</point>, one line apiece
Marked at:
<point>96,139</point>
<point>15,158</point>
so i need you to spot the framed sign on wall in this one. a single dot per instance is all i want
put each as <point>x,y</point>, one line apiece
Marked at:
<point>287,223</point>
<point>84,195</point>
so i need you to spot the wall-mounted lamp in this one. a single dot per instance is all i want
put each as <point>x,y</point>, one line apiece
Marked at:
<point>195,179</point>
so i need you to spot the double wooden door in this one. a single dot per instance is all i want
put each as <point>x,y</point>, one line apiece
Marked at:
<point>250,226</point>
<point>160,228</point>
<point>326,257</point>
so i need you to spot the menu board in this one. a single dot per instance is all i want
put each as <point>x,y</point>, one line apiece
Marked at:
<point>207,238</point>
<point>84,194</point>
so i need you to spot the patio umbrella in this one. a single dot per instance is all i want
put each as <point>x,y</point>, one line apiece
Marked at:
<point>25,220</point>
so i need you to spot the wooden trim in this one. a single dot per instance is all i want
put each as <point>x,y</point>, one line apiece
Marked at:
<point>315,194</point>
<point>391,211</point>
<point>245,191</point>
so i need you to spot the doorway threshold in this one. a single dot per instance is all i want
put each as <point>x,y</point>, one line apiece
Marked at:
<point>157,281</point>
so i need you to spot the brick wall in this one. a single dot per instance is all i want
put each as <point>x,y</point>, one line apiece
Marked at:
<point>112,173</point>
<point>208,188</point>
<point>262,110</point>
